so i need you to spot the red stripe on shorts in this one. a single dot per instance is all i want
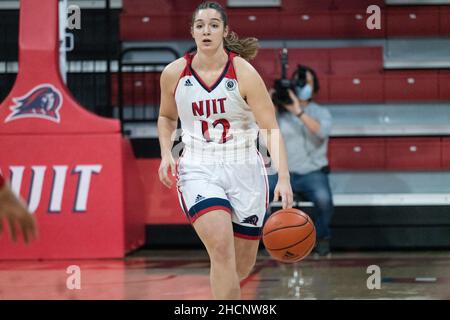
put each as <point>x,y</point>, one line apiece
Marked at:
<point>209,209</point>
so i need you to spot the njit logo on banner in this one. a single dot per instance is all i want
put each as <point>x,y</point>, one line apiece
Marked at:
<point>43,101</point>
<point>83,173</point>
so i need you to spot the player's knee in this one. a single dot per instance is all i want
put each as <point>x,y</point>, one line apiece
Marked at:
<point>244,269</point>
<point>222,252</point>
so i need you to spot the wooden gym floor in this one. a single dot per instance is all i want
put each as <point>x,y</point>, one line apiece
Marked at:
<point>183,274</point>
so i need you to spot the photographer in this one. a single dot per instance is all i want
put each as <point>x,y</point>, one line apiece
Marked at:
<point>306,127</point>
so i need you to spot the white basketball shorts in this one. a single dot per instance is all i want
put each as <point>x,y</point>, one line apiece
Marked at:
<point>238,188</point>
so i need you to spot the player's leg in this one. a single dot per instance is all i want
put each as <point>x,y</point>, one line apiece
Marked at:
<point>249,197</point>
<point>246,252</point>
<point>206,205</point>
<point>216,232</point>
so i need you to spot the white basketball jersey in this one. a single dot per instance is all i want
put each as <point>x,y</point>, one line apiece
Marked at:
<point>216,121</point>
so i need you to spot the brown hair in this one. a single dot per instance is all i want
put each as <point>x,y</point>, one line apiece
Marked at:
<point>247,48</point>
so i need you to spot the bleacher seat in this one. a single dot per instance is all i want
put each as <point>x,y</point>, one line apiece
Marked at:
<point>413,153</point>
<point>162,6</point>
<point>446,152</point>
<point>302,5</point>
<point>255,22</point>
<point>190,6</point>
<point>357,153</point>
<point>147,7</point>
<point>356,4</point>
<point>445,21</point>
<point>444,85</point>
<point>352,23</point>
<point>305,24</point>
<point>390,153</point>
<point>413,21</point>
<point>139,88</point>
<point>356,74</point>
<point>144,20</point>
<point>268,64</point>
<point>356,60</point>
<point>358,88</point>
<point>135,27</point>
<point>316,58</point>
<point>410,85</point>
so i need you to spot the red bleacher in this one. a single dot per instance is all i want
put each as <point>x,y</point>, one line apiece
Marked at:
<point>295,19</point>
<point>417,85</point>
<point>347,88</point>
<point>348,19</point>
<point>139,88</point>
<point>267,62</point>
<point>355,60</point>
<point>414,21</point>
<point>347,75</point>
<point>146,7</point>
<point>418,153</point>
<point>445,21</point>
<point>446,153</point>
<point>444,85</point>
<point>361,153</point>
<point>302,5</point>
<point>305,25</point>
<point>250,22</point>
<point>391,153</point>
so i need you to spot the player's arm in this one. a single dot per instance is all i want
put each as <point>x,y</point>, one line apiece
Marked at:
<point>167,120</point>
<point>253,89</point>
<point>14,211</point>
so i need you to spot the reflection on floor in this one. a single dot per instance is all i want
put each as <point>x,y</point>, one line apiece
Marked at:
<point>184,275</point>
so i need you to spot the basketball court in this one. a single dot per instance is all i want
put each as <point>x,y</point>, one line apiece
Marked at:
<point>87,161</point>
<point>184,275</point>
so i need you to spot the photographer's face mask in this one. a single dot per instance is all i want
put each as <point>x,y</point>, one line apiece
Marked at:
<point>304,93</point>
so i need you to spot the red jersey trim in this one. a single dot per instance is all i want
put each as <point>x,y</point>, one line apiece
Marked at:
<point>231,73</point>
<point>225,73</point>
<point>186,71</point>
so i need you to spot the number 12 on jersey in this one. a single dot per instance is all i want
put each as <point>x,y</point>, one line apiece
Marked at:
<point>225,133</point>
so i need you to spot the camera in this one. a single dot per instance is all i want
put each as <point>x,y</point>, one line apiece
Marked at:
<point>281,96</point>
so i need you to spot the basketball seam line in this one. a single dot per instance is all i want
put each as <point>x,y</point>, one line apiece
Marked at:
<point>294,243</point>
<point>281,228</point>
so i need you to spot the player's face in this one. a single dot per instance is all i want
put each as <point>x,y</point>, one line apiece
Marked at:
<point>208,29</point>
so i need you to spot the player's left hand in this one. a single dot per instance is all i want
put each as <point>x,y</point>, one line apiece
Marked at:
<point>283,189</point>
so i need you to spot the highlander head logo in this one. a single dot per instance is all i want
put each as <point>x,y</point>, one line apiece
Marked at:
<point>251,220</point>
<point>43,101</point>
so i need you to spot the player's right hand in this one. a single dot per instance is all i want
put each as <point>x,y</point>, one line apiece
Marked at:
<point>15,212</point>
<point>167,163</point>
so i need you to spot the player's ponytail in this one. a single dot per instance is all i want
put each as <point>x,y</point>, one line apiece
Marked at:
<point>247,48</point>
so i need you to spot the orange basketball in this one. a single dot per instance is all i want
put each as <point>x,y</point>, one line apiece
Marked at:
<point>289,235</point>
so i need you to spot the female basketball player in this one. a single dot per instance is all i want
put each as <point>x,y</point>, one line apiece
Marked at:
<point>222,102</point>
<point>14,211</point>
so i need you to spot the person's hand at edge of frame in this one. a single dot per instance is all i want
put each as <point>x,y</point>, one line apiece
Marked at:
<point>15,213</point>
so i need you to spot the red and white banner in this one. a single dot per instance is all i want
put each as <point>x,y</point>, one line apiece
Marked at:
<point>76,171</point>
